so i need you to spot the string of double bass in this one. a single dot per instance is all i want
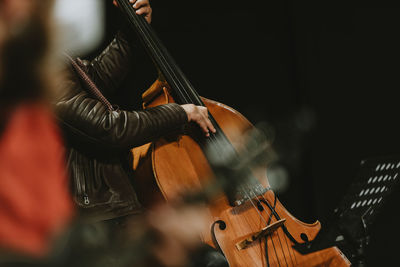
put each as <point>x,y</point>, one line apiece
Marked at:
<point>175,78</point>
<point>287,246</point>
<point>174,75</point>
<point>279,239</point>
<point>169,71</point>
<point>266,224</point>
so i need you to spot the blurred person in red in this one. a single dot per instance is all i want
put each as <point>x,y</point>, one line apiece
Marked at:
<point>35,203</point>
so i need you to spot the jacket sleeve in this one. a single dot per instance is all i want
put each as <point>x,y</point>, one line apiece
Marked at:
<point>110,67</point>
<point>89,120</point>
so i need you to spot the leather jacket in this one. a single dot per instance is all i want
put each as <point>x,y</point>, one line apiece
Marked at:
<point>99,140</point>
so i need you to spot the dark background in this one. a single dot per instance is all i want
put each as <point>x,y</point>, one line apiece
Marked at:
<point>323,75</point>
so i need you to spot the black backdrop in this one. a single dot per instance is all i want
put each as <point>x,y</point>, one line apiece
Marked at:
<point>323,75</point>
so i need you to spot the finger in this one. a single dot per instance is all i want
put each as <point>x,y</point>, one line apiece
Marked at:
<point>141,3</point>
<point>210,126</point>
<point>132,1</point>
<point>204,127</point>
<point>143,10</point>
<point>200,121</point>
<point>205,130</point>
<point>146,11</point>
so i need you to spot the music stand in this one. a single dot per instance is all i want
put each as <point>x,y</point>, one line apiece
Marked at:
<point>348,225</point>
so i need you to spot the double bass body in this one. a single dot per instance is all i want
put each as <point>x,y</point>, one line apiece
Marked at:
<point>176,164</point>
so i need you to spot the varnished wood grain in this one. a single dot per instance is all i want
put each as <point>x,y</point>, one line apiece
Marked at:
<point>169,167</point>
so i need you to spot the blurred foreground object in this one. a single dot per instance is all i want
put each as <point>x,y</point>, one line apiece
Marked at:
<point>80,24</point>
<point>35,204</point>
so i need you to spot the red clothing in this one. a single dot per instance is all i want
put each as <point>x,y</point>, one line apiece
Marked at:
<point>35,203</point>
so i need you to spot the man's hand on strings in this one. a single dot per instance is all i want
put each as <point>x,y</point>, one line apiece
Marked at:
<point>199,115</point>
<point>142,7</point>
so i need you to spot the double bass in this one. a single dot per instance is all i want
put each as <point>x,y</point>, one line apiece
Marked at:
<point>254,229</point>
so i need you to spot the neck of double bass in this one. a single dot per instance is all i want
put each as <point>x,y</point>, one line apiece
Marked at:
<point>183,90</point>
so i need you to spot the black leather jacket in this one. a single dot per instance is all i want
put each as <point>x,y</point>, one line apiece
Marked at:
<point>99,140</point>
